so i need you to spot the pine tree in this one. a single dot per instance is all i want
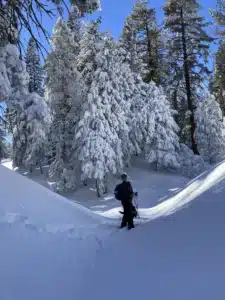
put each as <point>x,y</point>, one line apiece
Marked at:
<point>210,129</point>
<point>97,142</point>
<point>16,79</point>
<point>87,6</point>
<point>162,148</point>
<point>219,14</point>
<point>126,84</point>
<point>174,82</point>
<point>142,36</point>
<point>191,43</point>
<point>37,123</point>
<point>218,81</point>
<point>74,24</point>
<point>23,111</point>
<point>2,142</point>
<point>142,122</point>
<point>63,93</point>
<point>129,43</point>
<point>89,46</point>
<point>34,69</point>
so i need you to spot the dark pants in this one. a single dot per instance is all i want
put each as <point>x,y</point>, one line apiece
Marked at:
<point>128,215</point>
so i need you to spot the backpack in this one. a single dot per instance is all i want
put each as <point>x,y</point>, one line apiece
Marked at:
<point>117,192</point>
<point>123,191</point>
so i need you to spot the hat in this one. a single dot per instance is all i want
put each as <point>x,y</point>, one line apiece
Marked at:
<point>124,176</point>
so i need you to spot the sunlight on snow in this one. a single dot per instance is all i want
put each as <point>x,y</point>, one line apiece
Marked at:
<point>194,189</point>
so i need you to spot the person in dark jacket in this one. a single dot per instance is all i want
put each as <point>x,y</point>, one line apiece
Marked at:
<point>124,193</point>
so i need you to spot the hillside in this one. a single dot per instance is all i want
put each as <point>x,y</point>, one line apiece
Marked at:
<point>46,241</point>
<point>54,249</point>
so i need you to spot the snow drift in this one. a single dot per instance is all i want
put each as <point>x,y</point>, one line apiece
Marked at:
<point>53,249</point>
<point>46,241</point>
<point>179,255</point>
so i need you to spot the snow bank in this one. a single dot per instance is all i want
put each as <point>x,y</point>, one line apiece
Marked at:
<point>47,242</point>
<point>178,257</point>
<point>40,205</point>
<point>55,250</point>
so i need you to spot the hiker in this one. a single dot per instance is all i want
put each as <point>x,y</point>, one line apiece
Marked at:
<point>124,193</point>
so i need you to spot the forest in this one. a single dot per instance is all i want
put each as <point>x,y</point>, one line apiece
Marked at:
<point>93,102</point>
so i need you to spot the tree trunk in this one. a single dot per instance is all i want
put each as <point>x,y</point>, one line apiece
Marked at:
<point>40,165</point>
<point>97,184</point>
<point>149,55</point>
<point>175,105</point>
<point>105,184</point>
<point>188,85</point>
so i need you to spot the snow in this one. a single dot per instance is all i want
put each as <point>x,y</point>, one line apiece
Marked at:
<point>61,250</point>
<point>48,241</point>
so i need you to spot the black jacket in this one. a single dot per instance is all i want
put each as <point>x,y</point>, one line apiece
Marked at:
<point>124,191</point>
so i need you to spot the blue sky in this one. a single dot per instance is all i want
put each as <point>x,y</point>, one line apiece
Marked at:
<point>114,13</point>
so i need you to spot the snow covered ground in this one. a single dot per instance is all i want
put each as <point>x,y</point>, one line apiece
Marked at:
<point>152,187</point>
<point>56,249</point>
<point>46,241</point>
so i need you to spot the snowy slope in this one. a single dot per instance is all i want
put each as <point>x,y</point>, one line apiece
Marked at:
<point>60,250</point>
<point>46,241</point>
<point>173,258</point>
<point>176,256</point>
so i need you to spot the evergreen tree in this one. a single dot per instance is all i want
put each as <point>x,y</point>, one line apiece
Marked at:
<point>37,123</point>
<point>142,122</point>
<point>74,24</point>
<point>129,43</point>
<point>210,128</point>
<point>34,69</point>
<point>190,165</point>
<point>142,37</point>
<point>97,141</point>
<point>24,113</point>
<point>174,83</point>
<point>90,44</point>
<point>126,84</point>
<point>87,6</point>
<point>63,93</point>
<point>162,148</point>
<point>218,81</point>
<point>17,83</point>
<point>191,45</point>
<point>2,142</point>
<point>219,14</point>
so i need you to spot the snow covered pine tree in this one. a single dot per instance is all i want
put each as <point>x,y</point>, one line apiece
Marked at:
<point>163,148</point>
<point>2,143</point>
<point>97,141</point>
<point>191,43</point>
<point>34,69</point>
<point>210,129</point>
<point>63,90</point>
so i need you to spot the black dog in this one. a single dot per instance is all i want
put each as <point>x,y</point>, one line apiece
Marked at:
<point>134,212</point>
